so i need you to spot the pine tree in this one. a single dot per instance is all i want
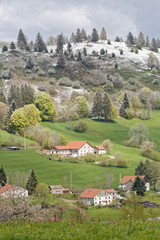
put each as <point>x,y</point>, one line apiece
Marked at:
<point>61,60</point>
<point>29,63</point>
<point>130,39</point>
<point>124,106</point>
<point>69,48</point>
<point>78,36</point>
<point>3,178</point>
<point>158,42</point>
<point>59,43</point>
<point>147,45</point>
<point>4,48</point>
<point>21,40</point>
<point>73,38</point>
<point>79,58</point>
<point>97,108</point>
<point>107,107</point>
<point>141,40</point>
<point>39,45</point>
<point>2,97</point>
<point>153,46</point>
<point>32,183</point>
<point>103,35</point>
<point>95,36</point>
<point>83,34</point>
<point>8,117</point>
<point>85,51</point>
<point>142,168</point>
<point>12,46</point>
<point>139,186</point>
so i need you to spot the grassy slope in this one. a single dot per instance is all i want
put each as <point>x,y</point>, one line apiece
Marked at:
<point>5,136</point>
<point>84,175</point>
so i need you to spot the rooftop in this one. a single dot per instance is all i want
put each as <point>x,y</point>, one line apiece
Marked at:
<point>126,179</point>
<point>100,148</point>
<point>72,145</point>
<point>90,193</point>
<point>6,188</point>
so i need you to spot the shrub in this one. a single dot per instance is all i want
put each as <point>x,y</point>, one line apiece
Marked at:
<point>46,144</point>
<point>138,46</point>
<point>136,51</point>
<point>64,81</point>
<point>129,113</point>
<point>132,49</point>
<point>89,158</point>
<point>108,42</point>
<point>155,82</point>
<point>102,52</point>
<point>154,71</point>
<point>113,55</point>
<point>76,85</point>
<point>52,81</point>
<point>4,48</point>
<point>88,62</point>
<point>154,155</point>
<point>121,52</point>
<point>80,127</point>
<point>51,90</point>
<point>147,146</point>
<point>42,88</point>
<point>107,145</point>
<point>121,163</point>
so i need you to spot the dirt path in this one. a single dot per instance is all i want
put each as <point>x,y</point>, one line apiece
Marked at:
<point>83,213</point>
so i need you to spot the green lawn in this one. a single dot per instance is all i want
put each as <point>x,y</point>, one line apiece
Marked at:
<point>83,174</point>
<point>103,214</point>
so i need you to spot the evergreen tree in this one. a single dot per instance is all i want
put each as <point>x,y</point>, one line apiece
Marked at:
<point>117,39</point>
<point>130,39</point>
<point>85,51</point>
<point>4,48</point>
<point>95,36</point>
<point>8,117</point>
<point>39,45</point>
<point>141,40</point>
<point>21,40</point>
<point>69,48</point>
<point>147,45</point>
<point>73,38</point>
<point>3,178</point>
<point>158,42</point>
<point>107,107</point>
<point>31,45</point>
<point>153,46</point>
<point>124,106</point>
<point>83,34</point>
<point>32,183</point>
<point>29,63</point>
<point>78,36</point>
<point>59,43</point>
<point>103,35</point>
<point>139,186</point>
<point>142,168</point>
<point>61,60</point>
<point>79,58</point>
<point>97,108</point>
<point>2,97</point>
<point>12,46</point>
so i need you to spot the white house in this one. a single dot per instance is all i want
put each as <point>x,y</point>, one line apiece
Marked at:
<point>74,149</point>
<point>99,150</point>
<point>13,191</point>
<point>95,197</point>
<point>126,182</point>
<point>77,148</point>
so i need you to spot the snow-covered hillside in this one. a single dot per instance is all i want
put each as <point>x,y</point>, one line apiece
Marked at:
<point>115,47</point>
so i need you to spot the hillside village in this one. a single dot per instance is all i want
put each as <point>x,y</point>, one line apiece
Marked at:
<point>79,127</point>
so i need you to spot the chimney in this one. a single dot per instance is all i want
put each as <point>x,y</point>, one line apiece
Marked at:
<point>89,189</point>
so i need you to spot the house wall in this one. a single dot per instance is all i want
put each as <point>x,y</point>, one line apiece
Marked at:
<point>99,151</point>
<point>85,149</point>
<point>147,185</point>
<point>57,191</point>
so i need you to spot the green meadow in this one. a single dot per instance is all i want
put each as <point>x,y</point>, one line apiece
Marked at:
<point>83,174</point>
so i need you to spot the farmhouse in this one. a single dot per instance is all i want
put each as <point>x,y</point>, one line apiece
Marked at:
<point>56,189</point>
<point>77,148</point>
<point>99,150</point>
<point>13,191</point>
<point>126,182</point>
<point>95,197</point>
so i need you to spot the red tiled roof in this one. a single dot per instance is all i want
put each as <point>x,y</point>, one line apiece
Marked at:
<point>90,193</point>
<point>6,188</point>
<point>126,179</point>
<point>100,148</point>
<point>72,145</point>
<point>110,190</point>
